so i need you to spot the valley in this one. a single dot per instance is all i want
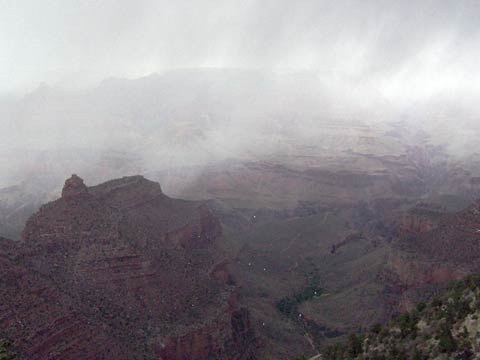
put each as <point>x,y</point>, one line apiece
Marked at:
<point>273,251</point>
<point>239,180</point>
<point>319,246</point>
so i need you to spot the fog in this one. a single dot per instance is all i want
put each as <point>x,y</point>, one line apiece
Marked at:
<point>195,82</point>
<point>424,46</point>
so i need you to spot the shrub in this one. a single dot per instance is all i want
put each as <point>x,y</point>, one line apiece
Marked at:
<point>354,345</point>
<point>301,357</point>
<point>418,355</point>
<point>421,306</point>
<point>376,328</point>
<point>407,324</point>
<point>5,352</point>
<point>447,343</point>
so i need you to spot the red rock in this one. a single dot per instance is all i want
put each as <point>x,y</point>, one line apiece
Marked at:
<point>146,270</point>
<point>74,188</point>
<point>432,251</point>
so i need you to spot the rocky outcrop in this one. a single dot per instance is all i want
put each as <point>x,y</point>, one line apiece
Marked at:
<point>74,188</point>
<point>433,249</point>
<point>422,218</point>
<point>409,280</point>
<point>148,270</point>
<point>455,240</point>
<point>416,224</point>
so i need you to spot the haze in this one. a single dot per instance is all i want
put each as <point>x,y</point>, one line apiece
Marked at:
<point>422,46</point>
<point>239,71</point>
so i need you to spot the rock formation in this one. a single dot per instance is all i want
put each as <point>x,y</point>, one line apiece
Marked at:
<point>121,267</point>
<point>433,249</point>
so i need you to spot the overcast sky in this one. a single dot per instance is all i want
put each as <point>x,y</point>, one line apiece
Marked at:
<point>403,46</point>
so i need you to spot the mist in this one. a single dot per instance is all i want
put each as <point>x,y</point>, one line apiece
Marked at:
<point>425,46</point>
<point>197,83</point>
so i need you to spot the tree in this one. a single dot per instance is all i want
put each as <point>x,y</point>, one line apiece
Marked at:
<point>5,352</point>
<point>354,345</point>
<point>418,355</point>
<point>447,343</point>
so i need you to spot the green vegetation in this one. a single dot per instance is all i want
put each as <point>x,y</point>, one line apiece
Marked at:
<point>446,328</point>
<point>5,350</point>
<point>300,357</point>
<point>446,341</point>
<point>289,304</point>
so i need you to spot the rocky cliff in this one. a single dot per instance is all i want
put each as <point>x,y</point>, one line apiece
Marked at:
<point>432,249</point>
<point>144,272</point>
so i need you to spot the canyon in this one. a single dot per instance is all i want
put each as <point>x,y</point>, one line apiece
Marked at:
<point>260,249</point>
<point>122,271</point>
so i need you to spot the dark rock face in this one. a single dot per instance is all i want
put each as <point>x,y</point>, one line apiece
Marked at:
<point>432,250</point>
<point>456,239</point>
<point>223,340</point>
<point>44,321</point>
<point>74,188</point>
<point>147,270</point>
